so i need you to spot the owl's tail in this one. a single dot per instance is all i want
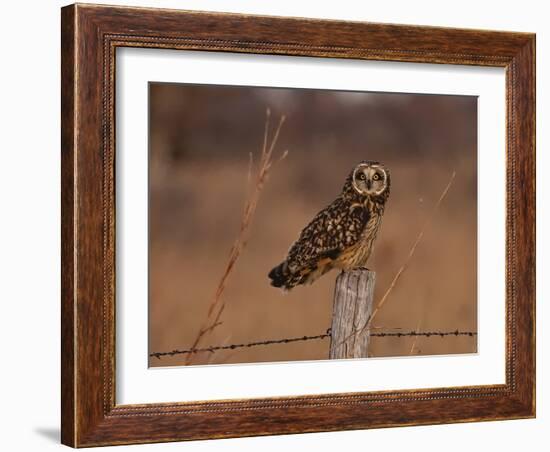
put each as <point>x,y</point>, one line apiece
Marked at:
<point>280,276</point>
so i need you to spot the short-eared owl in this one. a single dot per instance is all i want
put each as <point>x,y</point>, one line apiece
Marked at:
<point>341,235</point>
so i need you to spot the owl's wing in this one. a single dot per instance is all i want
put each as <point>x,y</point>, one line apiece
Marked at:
<point>332,231</point>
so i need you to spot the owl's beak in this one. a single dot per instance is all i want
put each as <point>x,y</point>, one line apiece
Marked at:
<point>369,184</point>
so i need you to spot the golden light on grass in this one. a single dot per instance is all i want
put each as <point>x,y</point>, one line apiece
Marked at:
<point>265,164</point>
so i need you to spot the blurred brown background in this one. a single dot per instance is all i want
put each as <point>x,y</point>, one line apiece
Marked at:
<point>200,139</point>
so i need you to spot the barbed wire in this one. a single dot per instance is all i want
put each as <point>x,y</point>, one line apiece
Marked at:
<point>426,333</point>
<point>325,335</point>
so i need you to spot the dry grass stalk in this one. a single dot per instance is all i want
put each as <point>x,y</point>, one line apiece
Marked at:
<point>408,259</point>
<point>213,357</point>
<point>415,337</point>
<point>217,305</point>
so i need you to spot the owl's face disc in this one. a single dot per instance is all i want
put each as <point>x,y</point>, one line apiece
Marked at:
<point>370,180</point>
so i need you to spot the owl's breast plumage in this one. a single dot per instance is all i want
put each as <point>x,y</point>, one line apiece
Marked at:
<point>358,254</point>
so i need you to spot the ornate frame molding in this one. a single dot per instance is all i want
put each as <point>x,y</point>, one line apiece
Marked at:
<point>90,37</point>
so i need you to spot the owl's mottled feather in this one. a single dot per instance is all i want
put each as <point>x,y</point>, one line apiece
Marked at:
<point>340,236</point>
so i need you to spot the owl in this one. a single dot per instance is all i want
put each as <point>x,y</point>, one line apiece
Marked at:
<point>341,235</point>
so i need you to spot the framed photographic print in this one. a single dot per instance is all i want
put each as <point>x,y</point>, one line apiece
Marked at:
<point>282,225</point>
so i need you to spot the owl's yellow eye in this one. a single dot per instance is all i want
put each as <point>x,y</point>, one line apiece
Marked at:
<point>376,177</point>
<point>362,176</point>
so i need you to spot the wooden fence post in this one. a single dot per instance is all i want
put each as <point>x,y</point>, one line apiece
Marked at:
<point>352,307</point>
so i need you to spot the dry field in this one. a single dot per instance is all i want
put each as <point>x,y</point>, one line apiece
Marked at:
<point>201,138</point>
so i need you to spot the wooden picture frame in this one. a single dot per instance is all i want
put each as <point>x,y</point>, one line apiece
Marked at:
<point>90,36</point>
